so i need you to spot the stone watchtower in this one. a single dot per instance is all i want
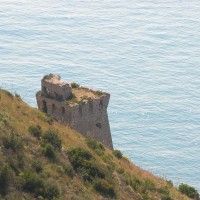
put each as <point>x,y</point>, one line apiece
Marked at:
<point>81,108</point>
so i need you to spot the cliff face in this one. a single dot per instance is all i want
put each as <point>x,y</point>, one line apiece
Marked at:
<point>88,114</point>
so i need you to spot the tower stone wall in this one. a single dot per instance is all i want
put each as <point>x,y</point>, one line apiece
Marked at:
<point>82,109</point>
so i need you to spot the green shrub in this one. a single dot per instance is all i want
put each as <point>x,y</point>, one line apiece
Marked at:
<point>68,170</point>
<point>118,154</point>
<point>4,118</point>
<point>90,170</point>
<point>189,191</point>
<point>145,196</point>
<point>101,147</point>
<point>164,190</point>
<point>37,166</point>
<point>13,141</point>
<point>16,162</point>
<point>50,192</point>
<point>84,163</point>
<point>71,100</point>
<point>169,183</point>
<point>78,156</point>
<point>46,118</point>
<point>32,183</point>
<point>96,146</point>
<point>128,178</point>
<point>165,194</point>
<point>104,188</point>
<point>166,198</point>
<point>93,144</point>
<point>21,160</point>
<point>97,92</point>
<point>52,137</point>
<point>75,85</point>
<point>5,174</point>
<point>36,130</point>
<point>120,170</point>
<point>49,152</point>
<point>147,184</point>
<point>133,181</point>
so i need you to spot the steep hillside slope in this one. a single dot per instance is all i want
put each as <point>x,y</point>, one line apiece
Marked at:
<point>42,159</point>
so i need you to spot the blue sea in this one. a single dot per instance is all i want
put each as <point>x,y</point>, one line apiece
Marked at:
<point>146,53</point>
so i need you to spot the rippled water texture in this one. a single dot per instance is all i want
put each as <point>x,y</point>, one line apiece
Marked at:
<point>145,53</point>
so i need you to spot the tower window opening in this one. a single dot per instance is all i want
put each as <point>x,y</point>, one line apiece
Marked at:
<point>63,110</point>
<point>53,108</point>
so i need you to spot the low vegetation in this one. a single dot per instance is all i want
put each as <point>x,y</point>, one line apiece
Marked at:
<point>13,141</point>
<point>32,183</point>
<point>75,85</point>
<point>45,118</point>
<point>95,92</point>
<point>118,154</point>
<point>5,176</point>
<point>98,92</point>
<point>72,100</point>
<point>189,191</point>
<point>97,147</point>
<point>104,187</point>
<point>51,136</point>
<point>42,159</point>
<point>84,163</point>
<point>35,130</point>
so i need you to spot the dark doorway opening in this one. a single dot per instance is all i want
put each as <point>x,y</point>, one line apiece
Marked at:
<point>63,110</point>
<point>45,107</point>
<point>44,89</point>
<point>53,108</point>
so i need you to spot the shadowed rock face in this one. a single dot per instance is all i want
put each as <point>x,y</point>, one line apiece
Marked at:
<point>87,114</point>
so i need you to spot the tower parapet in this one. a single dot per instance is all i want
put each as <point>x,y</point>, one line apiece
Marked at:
<point>81,108</point>
<point>53,87</point>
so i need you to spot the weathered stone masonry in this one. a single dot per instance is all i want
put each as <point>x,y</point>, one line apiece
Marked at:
<point>88,115</point>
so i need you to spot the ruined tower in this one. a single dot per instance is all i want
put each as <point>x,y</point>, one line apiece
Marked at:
<point>81,108</point>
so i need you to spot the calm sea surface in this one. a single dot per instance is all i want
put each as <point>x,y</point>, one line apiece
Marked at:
<point>145,53</point>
